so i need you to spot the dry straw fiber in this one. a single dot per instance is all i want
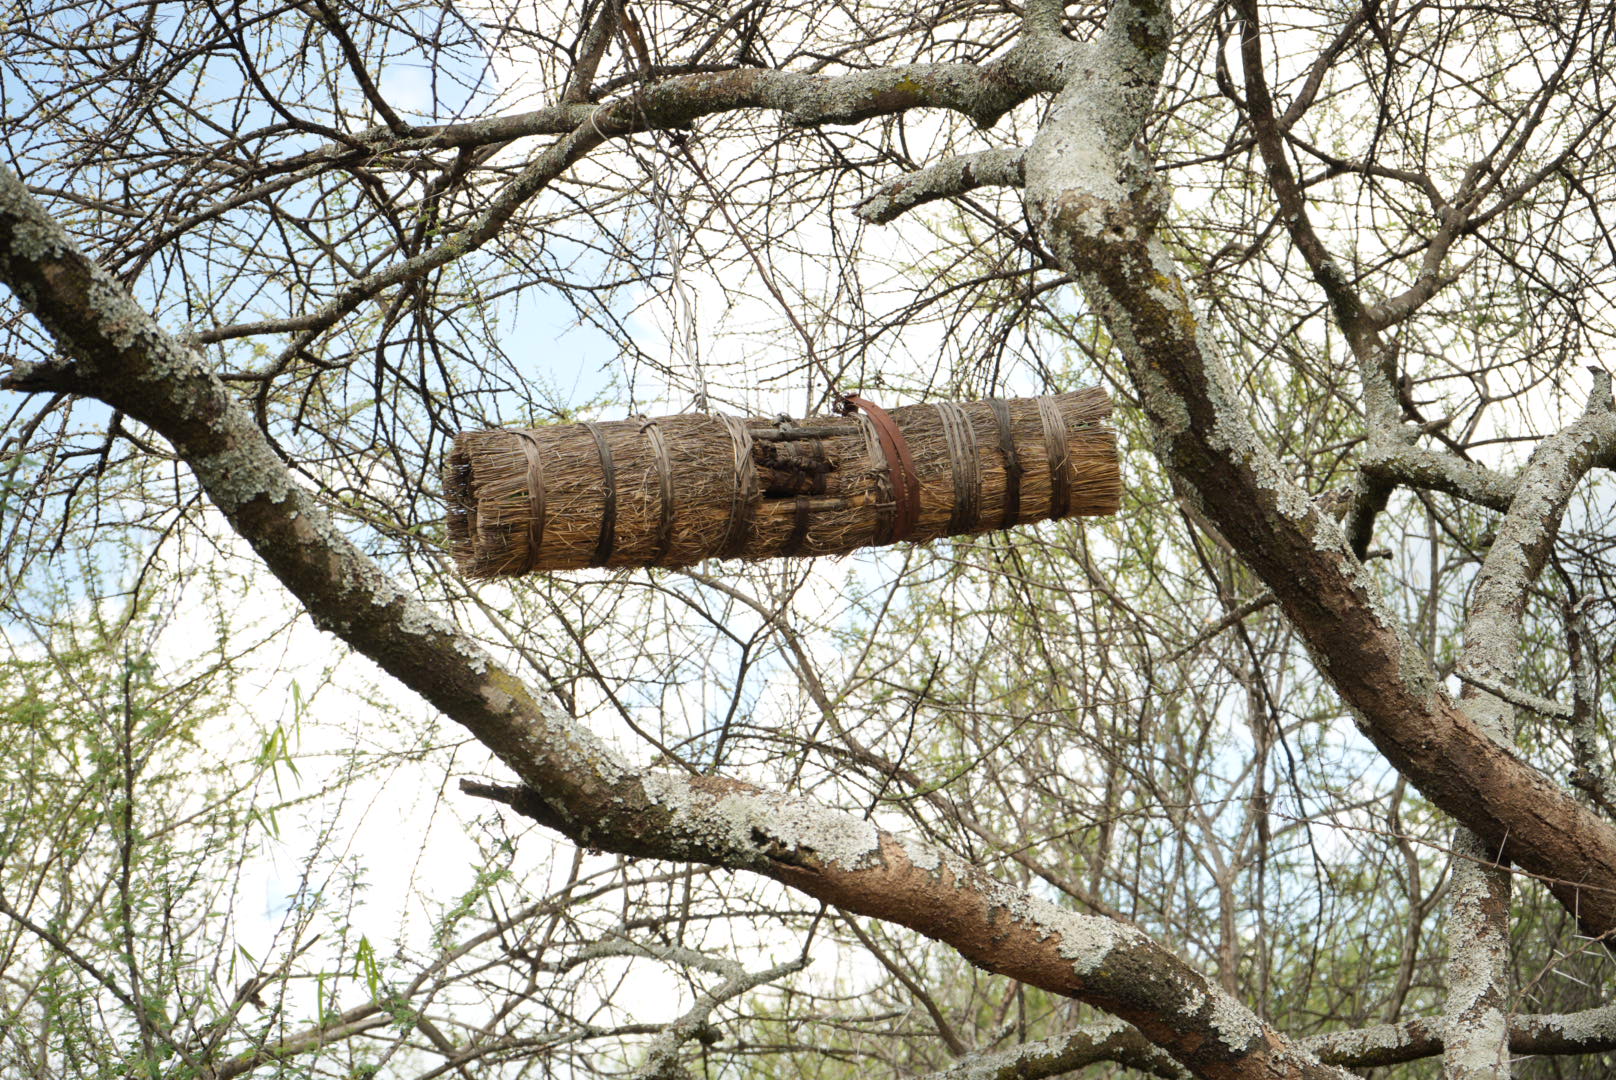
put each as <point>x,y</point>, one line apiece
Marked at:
<point>679,489</point>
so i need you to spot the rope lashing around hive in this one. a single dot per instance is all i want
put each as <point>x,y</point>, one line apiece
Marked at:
<point>675,490</point>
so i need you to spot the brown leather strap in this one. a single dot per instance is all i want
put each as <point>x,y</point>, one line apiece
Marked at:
<point>608,512</point>
<point>900,463</point>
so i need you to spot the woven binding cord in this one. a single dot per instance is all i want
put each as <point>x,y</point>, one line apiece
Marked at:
<point>535,499</point>
<point>746,489</point>
<point>1012,464</point>
<point>664,467</point>
<point>900,464</point>
<point>1060,460</point>
<point>608,513</point>
<point>886,506</point>
<point>961,440</point>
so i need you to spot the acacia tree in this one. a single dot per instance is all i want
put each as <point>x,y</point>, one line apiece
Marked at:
<point>1381,272</point>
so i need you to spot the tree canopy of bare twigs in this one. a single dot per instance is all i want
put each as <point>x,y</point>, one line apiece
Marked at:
<point>1299,766</point>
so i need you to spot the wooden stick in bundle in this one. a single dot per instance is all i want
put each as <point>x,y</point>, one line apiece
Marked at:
<point>679,489</point>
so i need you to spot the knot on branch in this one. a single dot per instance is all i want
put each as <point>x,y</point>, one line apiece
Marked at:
<point>1599,401</point>
<point>1085,227</point>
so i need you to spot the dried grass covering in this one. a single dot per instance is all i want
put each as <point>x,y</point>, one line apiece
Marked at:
<point>816,487</point>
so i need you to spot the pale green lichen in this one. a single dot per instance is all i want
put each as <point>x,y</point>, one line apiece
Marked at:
<point>1595,1026</point>
<point>756,825</point>
<point>1235,1024</point>
<point>33,238</point>
<point>1085,940</point>
<point>121,322</point>
<point>240,473</point>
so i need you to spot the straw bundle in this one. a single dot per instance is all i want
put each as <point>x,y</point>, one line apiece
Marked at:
<point>679,489</point>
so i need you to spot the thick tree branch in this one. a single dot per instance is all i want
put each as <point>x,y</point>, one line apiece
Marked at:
<point>1042,16</point>
<point>1590,1032</point>
<point>953,176</point>
<point>984,93</point>
<point>573,783</point>
<point>1094,205</point>
<point>1393,461</point>
<point>1088,1044</point>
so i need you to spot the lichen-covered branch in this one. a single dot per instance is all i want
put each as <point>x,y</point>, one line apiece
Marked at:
<point>1394,461</point>
<point>1492,648</point>
<point>572,782</point>
<point>1095,206</point>
<point>1042,16</point>
<point>948,178</point>
<point>1380,1045</point>
<point>1475,1012</point>
<point>1588,1032</point>
<point>662,1056</point>
<point>984,93</point>
<point>1478,927</point>
<point>1087,1044</point>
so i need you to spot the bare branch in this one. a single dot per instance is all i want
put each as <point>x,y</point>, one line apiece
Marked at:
<point>572,782</point>
<point>1377,383</point>
<point>1515,696</point>
<point>1096,210</point>
<point>1087,1044</point>
<point>323,13</point>
<point>662,1056</point>
<point>984,93</point>
<point>590,51</point>
<point>950,177</point>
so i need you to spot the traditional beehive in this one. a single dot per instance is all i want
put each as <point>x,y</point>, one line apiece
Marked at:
<point>679,489</point>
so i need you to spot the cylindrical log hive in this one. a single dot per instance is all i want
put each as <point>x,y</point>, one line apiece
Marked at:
<point>678,489</point>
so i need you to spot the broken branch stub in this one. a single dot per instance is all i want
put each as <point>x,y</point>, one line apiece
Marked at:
<point>679,489</point>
